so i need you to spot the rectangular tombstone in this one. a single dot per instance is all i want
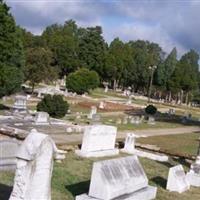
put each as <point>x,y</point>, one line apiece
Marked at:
<point>193,176</point>
<point>20,102</point>
<point>177,181</point>
<point>8,152</point>
<point>98,140</point>
<point>121,178</point>
<point>42,118</point>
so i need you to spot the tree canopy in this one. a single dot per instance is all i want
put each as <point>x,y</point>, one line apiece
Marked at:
<point>11,53</point>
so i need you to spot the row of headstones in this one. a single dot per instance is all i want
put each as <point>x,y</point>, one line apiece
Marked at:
<point>121,178</point>
<point>110,177</point>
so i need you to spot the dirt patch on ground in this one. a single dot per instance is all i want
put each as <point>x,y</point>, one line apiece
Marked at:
<point>108,106</point>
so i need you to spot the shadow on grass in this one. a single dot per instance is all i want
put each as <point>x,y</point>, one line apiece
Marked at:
<point>5,191</point>
<point>78,188</point>
<point>3,107</point>
<point>158,180</point>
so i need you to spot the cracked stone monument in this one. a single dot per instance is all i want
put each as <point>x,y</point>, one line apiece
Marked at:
<point>98,141</point>
<point>129,148</point>
<point>42,118</point>
<point>34,167</point>
<point>8,152</point>
<point>177,181</point>
<point>119,179</point>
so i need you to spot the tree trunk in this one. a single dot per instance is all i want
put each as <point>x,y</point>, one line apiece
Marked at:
<point>186,98</point>
<point>170,96</point>
<point>33,87</point>
<point>181,97</point>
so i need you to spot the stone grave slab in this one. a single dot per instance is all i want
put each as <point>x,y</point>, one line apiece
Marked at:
<point>177,181</point>
<point>119,179</point>
<point>98,140</point>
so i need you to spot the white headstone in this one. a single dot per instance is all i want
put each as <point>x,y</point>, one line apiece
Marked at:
<point>69,130</point>
<point>106,89</point>
<point>34,167</point>
<point>129,100</point>
<point>121,178</point>
<point>193,176</point>
<point>129,146</point>
<point>102,105</point>
<point>151,120</point>
<point>135,120</point>
<point>20,102</point>
<point>98,140</point>
<point>42,118</point>
<point>92,112</point>
<point>177,181</point>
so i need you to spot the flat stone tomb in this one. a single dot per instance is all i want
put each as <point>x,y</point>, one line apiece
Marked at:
<point>42,118</point>
<point>8,152</point>
<point>177,181</point>
<point>119,179</point>
<point>98,140</point>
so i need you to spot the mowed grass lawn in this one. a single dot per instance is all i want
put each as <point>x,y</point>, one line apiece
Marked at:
<point>72,177</point>
<point>182,143</point>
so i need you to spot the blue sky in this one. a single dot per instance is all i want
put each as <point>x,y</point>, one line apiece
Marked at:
<point>167,22</point>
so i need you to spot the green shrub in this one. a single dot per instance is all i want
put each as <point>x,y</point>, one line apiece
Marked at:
<point>82,81</point>
<point>54,105</point>
<point>150,110</point>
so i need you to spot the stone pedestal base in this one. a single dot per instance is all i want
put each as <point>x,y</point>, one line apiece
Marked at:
<point>103,153</point>
<point>146,193</point>
<point>193,179</point>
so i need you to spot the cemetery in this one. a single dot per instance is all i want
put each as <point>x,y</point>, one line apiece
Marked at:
<point>88,115</point>
<point>101,132</point>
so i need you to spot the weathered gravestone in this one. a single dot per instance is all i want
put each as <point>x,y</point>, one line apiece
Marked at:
<point>193,176</point>
<point>42,118</point>
<point>135,120</point>
<point>92,112</point>
<point>34,167</point>
<point>177,181</point>
<point>8,152</point>
<point>98,140</point>
<point>20,102</point>
<point>129,145</point>
<point>151,120</point>
<point>102,105</point>
<point>119,179</point>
